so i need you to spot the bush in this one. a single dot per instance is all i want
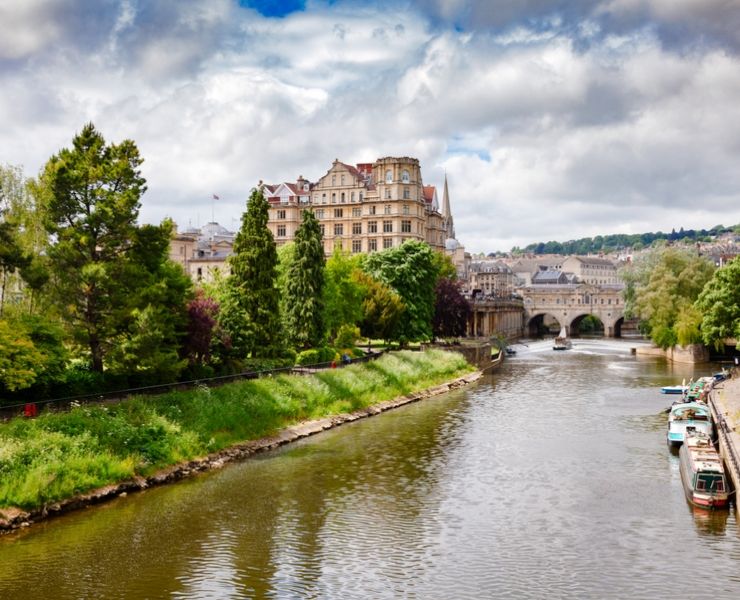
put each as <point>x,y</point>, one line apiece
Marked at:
<point>315,356</point>
<point>347,336</point>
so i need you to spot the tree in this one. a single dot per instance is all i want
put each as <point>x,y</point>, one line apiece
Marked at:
<point>202,319</point>
<point>93,193</point>
<point>671,288</point>
<point>382,308</point>
<point>250,310</point>
<point>451,310</point>
<point>411,271</point>
<point>343,295</point>
<point>719,303</point>
<point>150,323</point>
<point>304,302</point>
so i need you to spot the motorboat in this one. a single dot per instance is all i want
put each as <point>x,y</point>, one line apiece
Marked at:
<point>688,414</point>
<point>702,471</point>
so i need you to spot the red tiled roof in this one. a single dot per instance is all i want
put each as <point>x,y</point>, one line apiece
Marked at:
<point>429,193</point>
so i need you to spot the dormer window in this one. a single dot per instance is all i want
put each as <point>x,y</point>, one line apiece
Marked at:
<point>388,176</point>
<point>405,176</point>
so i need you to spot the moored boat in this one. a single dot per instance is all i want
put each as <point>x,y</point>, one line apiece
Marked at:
<point>688,414</point>
<point>674,389</point>
<point>702,472</point>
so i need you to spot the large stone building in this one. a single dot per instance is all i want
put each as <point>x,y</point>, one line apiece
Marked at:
<point>363,208</point>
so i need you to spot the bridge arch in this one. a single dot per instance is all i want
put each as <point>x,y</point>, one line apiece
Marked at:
<point>612,324</point>
<point>536,323</point>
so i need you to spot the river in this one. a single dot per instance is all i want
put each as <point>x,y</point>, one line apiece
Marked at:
<point>550,478</point>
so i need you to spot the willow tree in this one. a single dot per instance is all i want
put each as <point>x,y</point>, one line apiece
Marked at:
<point>250,307</point>
<point>304,305</point>
<point>92,193</point>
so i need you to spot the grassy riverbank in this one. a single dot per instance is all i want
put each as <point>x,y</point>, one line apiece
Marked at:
<point>59,455</point>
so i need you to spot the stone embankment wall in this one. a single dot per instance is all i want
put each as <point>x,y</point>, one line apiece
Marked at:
<point>724,401</point>
<point>693,354</point>
<point>14,518</point>
<point>478,354</point>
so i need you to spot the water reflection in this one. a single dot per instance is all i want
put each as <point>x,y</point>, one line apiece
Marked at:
<point>550,478</point>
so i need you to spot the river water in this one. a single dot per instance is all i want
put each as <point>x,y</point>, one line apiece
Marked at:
<point>550,478</point>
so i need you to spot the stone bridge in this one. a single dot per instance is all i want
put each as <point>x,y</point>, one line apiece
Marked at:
<point>568,304</point>
<point>565,304</point>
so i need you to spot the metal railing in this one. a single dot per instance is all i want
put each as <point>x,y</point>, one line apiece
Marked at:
<point>32,408</point>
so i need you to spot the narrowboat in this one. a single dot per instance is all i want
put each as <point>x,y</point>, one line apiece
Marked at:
<point>688,414</point>
<point>674,389</point>
<point>702,472</point>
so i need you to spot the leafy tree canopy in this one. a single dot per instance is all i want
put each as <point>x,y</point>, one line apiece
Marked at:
<point>411,270</point>
<point>719,304</point>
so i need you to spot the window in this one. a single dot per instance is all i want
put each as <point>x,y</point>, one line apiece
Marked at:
<point>338,213</point>
<point>405,209</point>
<point>360,196</point>
<point>351,196</point>
<point>342,178</point>
<point>387,226</point>
<point>372,210</point>
<point>356,246</point>
<point>342,198</point>
<point>357,228</point>
<point>388,176</point>
<point>281,214</point>
<point>333,198</point>
<point>323,198</point>
<point>372,245</point>
<point>388,193</point>
<point>405,176</point>
<point>388,243</point>
<point>319,213</point>
<point>334,180</point>
<point>281,231</point>
<point>338,229</point>
<point>322,228</point>
<point>387,209</point>
<point>357,211</point>
<point>372,227</point>
<point>406,193</point>
<point>316,198</point>
<point>405,226</point>
<point>200,273</point>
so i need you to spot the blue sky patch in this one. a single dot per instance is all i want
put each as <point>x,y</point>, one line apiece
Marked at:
<point>275,8</point>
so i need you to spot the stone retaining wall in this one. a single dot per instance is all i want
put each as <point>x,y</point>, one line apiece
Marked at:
<point>693,354</point>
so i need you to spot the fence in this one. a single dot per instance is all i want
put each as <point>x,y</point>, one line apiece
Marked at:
<point>32,409</point>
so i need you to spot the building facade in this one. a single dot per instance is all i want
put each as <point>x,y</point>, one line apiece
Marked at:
<point>362,208</point>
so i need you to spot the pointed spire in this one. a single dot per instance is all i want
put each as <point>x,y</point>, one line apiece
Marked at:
<point>447,212</point>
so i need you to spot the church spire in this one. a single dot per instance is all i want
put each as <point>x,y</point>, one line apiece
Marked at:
<point>447,213</point>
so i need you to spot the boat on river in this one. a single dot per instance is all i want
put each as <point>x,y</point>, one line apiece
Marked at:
<point>562,342</point>
<point>702,472</point>
<point>674,389</point>
<point>688,414</point>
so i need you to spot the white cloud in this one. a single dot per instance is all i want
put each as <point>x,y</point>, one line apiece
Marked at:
<point>541,137</point>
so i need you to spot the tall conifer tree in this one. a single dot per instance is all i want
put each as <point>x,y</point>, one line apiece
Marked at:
<point>305,285</point>
<point>250,311</point>
<point>93,192</point>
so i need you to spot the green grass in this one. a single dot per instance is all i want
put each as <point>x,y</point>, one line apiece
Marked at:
<point>59,455</point>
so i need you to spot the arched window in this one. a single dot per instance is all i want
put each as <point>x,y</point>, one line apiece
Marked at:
<point>405,176</point>
<point>388,176</point>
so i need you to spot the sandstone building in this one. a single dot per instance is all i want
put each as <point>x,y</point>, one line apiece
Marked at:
<point>363,208</point>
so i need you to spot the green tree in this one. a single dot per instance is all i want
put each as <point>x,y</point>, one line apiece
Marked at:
<point>151,323</point>
<point>719,304</point>
<point>250,305</point>
<point>382,308</point>
<point>343,295</point>
<point>93,193</point>
<point>669,290</point>
<point>411,271</point>
<point>304,302</point>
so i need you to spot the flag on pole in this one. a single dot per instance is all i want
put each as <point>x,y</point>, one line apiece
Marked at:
<point>216,197</point>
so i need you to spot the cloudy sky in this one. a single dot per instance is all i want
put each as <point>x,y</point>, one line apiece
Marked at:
<point>552,119</point>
